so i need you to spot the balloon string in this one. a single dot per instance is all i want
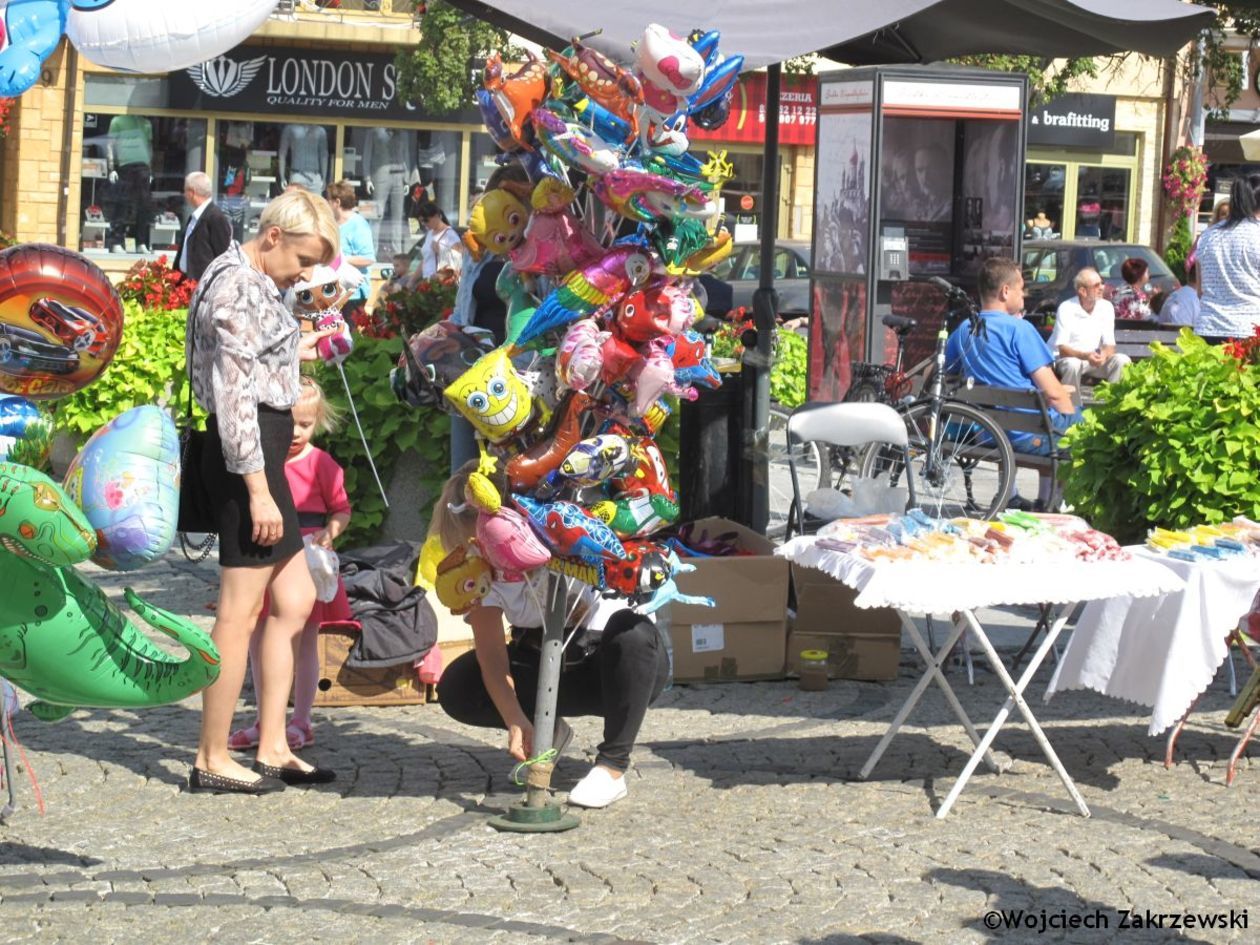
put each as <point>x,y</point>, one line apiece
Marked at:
<point>11,737</point>
<point>366,449</point>
<point>547,756</point>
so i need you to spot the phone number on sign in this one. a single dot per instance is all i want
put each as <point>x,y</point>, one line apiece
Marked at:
<point>1040,921</point>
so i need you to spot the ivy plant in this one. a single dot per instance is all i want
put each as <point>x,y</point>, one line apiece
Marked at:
<point>1174,443</point>
<point>391,428</point>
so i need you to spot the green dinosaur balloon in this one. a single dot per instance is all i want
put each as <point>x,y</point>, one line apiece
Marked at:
<point>65,642</point>
<point>61,638</point>
<point>38,520</point>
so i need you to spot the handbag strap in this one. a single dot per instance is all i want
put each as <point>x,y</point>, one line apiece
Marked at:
<point>202,290</point>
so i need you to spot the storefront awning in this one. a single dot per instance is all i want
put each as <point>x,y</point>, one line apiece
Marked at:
<point>862,32</point>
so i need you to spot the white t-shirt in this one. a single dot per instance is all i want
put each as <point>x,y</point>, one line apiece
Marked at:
<point>1082,330</point>
<point>523,602</point>
<point>440,251</point>
<point>1181,308</point>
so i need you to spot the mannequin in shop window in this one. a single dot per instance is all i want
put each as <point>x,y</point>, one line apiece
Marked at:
<point>389,162</point>
<point>234,175</point>
<point>129,152</point>
<point>304,157</point>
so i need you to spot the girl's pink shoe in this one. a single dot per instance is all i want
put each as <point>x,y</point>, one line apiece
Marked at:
<point>299,735</point>
<point>244,739</point>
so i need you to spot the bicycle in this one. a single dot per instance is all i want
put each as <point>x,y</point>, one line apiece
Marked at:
<point>962,459</point>
<point>888,383</point>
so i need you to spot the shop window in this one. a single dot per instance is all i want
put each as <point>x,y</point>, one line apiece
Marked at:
<point>256,160</point>
<point>1043,200</point>
<point>133,180</point>
<point>481,165</point>
<point>1102,203</point>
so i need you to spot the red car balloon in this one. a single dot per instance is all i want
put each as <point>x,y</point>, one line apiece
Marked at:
<point>61,321</point>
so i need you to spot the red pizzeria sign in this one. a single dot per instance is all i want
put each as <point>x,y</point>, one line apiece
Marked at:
<point>798,113</point>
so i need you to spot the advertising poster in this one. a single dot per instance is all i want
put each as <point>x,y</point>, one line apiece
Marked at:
<point>917,188</point>
<point>990,184</point>
<point>837,335</point>
<point>842,208</point>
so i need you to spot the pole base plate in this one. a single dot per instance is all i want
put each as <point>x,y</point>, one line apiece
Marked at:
<point>550,818</point>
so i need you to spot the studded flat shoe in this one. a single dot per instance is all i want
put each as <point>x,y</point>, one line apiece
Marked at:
<point>202,781</point>
<point>295,775</point>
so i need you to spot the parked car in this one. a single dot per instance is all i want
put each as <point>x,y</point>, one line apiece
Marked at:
<point>1051,265</point>
<point>742,269</point>
<point>24,352</point>
<point>74,326</point>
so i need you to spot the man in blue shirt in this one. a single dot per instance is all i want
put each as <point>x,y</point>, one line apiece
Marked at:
<point>1010,353</point>
<point>358,249</point>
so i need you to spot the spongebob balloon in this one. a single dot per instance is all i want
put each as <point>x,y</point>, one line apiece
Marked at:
<point>492,396</point>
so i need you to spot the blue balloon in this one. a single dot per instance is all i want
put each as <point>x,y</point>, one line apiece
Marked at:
<point>32,30</point>
<point>126,480</point>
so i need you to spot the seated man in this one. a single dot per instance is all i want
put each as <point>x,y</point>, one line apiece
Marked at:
<point>1006,351</point>
<point>1084,336</point>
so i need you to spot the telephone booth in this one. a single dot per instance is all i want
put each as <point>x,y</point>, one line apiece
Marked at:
<point>918,173</point>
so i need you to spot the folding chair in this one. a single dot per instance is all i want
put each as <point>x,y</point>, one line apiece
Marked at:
<point>844,426</point>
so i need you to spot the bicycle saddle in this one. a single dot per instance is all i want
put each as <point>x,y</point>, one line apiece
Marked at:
<point>899,323</point>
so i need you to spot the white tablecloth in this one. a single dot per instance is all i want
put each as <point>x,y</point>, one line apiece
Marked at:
<point>941,587</point>
<point>1163,651</point>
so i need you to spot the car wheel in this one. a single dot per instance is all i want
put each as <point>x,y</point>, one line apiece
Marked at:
<point>6,349</point>
<point>84,341</point>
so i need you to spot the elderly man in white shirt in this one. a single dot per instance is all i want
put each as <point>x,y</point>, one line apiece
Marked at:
<point>1084,336</point>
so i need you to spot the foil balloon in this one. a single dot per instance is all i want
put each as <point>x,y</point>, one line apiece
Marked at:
<point>517,95</point>
<point>126,481</point>
<point>498,222</point>
<point>648,474</point>
<point>31,31</point>
<point>496,127</point>
<point>573,144</point>
<point>692,365</point>
<point>637,515</point>
<point>646,577</point>
<point>509,544</point>
<point>656,377</point>
<point>512,289</point>
<point>492,397</point>
<point>669,67</point>
<point>462,580</point>
<point>433,359</point>
<point>570,532</point>
<point>603,81</point>
<point>526,470</point>
<point>646,197</point>
<point>160,36</point>
<point>653,311</point>
<point>61,321</point>
<point>555,242</point>
<point>39,521</point>
<point>595,460</point>
<point>580,356</point>
<point>589,290</point>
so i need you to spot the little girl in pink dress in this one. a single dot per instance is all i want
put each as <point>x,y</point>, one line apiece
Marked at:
<point>319,493</point>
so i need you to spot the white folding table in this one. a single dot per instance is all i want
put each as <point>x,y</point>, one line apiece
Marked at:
<point>961,588</point>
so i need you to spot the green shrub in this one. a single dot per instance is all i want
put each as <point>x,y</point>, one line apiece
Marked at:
<point>392,428</point>
<point>1174,443</point>
<point>148,368</point>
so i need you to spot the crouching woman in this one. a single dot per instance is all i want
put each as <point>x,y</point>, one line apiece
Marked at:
<point>614,673</point>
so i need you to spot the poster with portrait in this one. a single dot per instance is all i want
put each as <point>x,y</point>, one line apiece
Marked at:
<point>991,168</point>
<point>917,188</point>
<point>842,201</point>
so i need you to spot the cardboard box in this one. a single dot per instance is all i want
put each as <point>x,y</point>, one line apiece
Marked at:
<point>343,685</point>
<point>861,643</point>
<point>744,636</point>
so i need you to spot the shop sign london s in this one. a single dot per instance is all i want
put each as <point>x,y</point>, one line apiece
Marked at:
<point>1074,121</point>
<point>296,82</point>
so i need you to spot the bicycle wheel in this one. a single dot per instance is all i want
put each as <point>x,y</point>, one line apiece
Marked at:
<point>867,391</point>
<point>966,471</point>
<point>813,469</point>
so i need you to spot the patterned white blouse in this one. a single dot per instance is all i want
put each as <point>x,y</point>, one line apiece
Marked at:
<point>242,345</point>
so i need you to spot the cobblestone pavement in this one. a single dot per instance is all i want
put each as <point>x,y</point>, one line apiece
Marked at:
<point>745,823</point>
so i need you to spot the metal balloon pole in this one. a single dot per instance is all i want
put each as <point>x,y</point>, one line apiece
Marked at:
<point>537,813</point>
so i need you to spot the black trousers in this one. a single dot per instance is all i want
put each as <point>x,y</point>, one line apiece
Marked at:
<point>618,681</point>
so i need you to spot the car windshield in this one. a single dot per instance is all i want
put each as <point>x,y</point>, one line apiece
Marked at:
<point>1108,260</point>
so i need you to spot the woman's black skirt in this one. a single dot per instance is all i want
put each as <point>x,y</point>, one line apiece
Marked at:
<point>230,496</point>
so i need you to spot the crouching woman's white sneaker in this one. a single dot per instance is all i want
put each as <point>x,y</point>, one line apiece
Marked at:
<point>598,789</point>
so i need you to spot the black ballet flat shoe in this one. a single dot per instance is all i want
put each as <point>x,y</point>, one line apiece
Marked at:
<point>295,775</point>
<point>201,781</point>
